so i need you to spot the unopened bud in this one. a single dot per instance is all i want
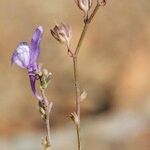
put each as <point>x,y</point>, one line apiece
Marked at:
<point>45,72</point>
<point>101,2</point>
<point>46,144</point>
<point>62,33</point>
<point>75,118</point>
<point>42,110</point>
<point>84,5</point>
<point>83,95</point>
<point>46,77</point>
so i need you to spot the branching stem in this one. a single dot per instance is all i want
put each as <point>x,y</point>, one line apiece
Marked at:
<point>75,69</point>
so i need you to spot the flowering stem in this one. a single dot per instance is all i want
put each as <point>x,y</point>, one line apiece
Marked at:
<point>75,69</point>
<point>48,129</point>
<point>47,107</point>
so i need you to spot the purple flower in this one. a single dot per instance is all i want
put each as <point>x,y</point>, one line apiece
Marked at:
<point>26,56</point>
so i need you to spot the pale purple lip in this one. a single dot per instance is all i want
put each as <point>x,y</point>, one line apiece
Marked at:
<point>26,56</point>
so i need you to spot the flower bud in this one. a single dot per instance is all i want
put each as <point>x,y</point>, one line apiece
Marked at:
<point>46,77</point>
<point>84,5</point>
<point>42,110</point>
<point>75,118</point>
<point>101,2</point>
<point>62,33</point>
<point>46,143</point>
<point>83,95</point>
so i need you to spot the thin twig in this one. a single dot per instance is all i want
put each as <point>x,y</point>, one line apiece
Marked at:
<point>93,13</point>
<point>48,128</point>
<point>81,38</point>
<point>77,92</point>
<point>47,107</point>
<point>75,69</point>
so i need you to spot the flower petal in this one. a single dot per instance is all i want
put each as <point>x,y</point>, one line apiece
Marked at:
<point>35,45</point>
<point>33,87</point>
<point>21,56</point>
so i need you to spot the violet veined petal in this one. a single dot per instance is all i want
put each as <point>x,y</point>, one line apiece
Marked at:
<point>35,45</point>
<point>33,87</point>
<point>21,56</point>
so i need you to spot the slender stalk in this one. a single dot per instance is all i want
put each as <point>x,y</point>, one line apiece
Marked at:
<point>93,13</point>
<point>75,69</point>
<point>79,137</point>
<point>85,28</point>
<point>81,38</point>
<point>77,92</point>
<point>48,129</point>
<point>47,120</point>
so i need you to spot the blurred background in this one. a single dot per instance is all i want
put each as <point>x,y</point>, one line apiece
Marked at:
<point>114,69</point>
